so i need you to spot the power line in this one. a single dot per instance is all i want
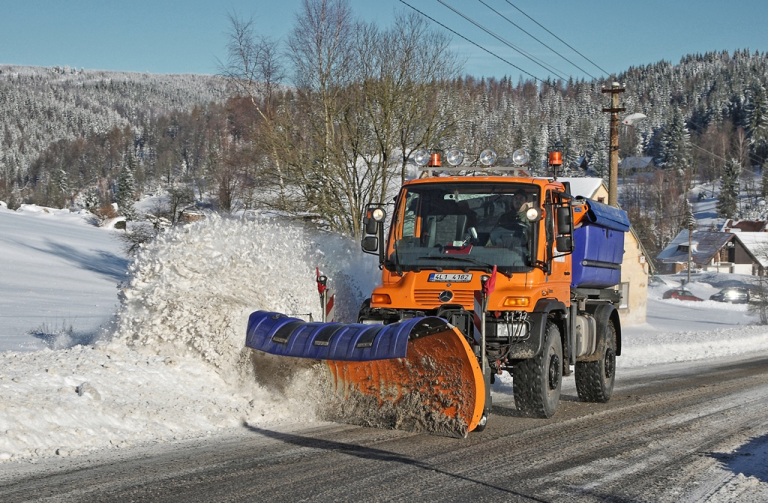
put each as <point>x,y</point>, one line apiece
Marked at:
<point>471,42</point>
<point>743,168</point>
<point>536,60</point>
<point>749,156</point>
<point>560,39</point>
<point>536,39</point>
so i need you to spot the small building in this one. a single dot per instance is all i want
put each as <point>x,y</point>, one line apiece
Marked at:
<point>714,251</point>
<point>756,243</point>
<point>745,226</point>
<point>634,165</point>
<point>634,268</point>
<point>191,214</point>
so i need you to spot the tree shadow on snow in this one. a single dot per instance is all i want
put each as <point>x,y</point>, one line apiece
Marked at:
<point>373,454</point>
<point>101,262</point>
<point>751,459</point>
<point>64,336</point>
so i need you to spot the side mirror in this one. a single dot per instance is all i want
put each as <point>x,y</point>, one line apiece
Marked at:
<point>564,244</point>
<point>371,226</point>
<point>370,244</point>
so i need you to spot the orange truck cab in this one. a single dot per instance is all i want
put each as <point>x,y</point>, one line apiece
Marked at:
<point>557,260</point>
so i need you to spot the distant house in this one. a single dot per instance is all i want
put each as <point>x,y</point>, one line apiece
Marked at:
<point>634,268</point>
<point>633,165</point>
<point>757,245</point>
<point>716,251</point>
<point>745,226</point>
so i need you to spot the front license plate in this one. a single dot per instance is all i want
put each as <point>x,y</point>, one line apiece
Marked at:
<point>450,278</point>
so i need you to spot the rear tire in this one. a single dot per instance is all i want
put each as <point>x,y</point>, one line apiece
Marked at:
<point>594,380</point>
<point>536,382</point>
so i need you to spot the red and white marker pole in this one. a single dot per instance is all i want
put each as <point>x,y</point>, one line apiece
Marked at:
<point>327,297</point>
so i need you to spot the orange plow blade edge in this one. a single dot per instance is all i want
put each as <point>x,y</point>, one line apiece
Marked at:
<point>418,374</point>
<point>438,387</point>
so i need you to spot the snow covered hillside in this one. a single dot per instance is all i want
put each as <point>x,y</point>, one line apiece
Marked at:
<point>161,354</point>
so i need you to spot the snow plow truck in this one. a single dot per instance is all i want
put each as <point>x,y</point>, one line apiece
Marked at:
<point>482,272</point>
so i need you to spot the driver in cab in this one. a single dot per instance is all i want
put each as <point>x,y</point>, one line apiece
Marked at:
<point>511,231</point>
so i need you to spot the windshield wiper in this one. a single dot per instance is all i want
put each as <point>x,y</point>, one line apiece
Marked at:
<point>487,267</point>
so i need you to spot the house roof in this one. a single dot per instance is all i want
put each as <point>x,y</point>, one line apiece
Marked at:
<point>704,245</point>
<point>756,243</point>
<point>744,225</point>
<point>635,162</point>
<point>585,187</point>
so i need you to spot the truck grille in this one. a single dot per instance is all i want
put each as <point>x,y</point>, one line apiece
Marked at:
<point>428,298</point>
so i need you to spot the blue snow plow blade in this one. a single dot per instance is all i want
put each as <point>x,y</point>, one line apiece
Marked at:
<point>279,334</point>
<point>607,216</point>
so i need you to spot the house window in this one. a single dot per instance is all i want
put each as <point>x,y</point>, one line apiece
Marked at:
<point>600,199</point>
<point>624,290</point>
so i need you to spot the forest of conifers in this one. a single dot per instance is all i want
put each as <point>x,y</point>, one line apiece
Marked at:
<point>248,140</point>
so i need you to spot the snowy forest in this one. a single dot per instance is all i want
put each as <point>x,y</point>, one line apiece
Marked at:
<point>323,129</point>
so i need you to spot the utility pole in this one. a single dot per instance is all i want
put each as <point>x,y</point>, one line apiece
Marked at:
<point>613,162</point>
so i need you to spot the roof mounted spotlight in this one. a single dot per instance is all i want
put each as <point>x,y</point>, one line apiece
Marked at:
<point>488,157</point>
<point>454,157</point>
<point>521,157</point>
<point>420,157</point>
<point>378,214</point>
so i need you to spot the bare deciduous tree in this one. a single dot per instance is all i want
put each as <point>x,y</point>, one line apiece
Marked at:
<point>401,72</point>
<point>255,69</point>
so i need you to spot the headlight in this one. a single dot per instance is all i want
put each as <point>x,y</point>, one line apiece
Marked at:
<point>521,156</point>
<point>488,157</point>
<point>510,330</point>
<point>454,157</point>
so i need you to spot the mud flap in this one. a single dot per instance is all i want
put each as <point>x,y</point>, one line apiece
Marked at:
<point>418,375</point>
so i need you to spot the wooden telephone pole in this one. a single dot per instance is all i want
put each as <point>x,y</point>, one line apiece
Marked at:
<point>613,161</point>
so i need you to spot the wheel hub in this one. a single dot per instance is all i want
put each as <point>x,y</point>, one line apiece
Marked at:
<point>610,363</point>
<point>554,371</point>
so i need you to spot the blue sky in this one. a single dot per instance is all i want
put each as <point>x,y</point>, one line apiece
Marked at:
<point>175,36</point>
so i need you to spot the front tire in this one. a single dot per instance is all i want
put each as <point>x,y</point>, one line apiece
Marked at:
<point>482,424</point>
<point>536,382</point>
<point>595,379</point>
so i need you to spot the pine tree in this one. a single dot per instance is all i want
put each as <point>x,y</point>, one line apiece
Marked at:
<point>125,193</point>
<point>757,122</point>
<point>757,130</point>
<point>727,201</point>
<point>689,220</point>
<point>676,146</point>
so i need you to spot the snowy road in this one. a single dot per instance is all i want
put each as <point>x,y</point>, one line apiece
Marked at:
<point>148,410</point>
<point>677,432</point>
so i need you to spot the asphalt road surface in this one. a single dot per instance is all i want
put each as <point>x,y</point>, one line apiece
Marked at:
<point>668,434</point>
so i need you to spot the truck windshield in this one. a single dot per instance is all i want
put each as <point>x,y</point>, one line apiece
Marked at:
<point>464,226</point>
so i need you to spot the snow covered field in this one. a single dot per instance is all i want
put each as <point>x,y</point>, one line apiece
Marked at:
<point>162,338</point>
